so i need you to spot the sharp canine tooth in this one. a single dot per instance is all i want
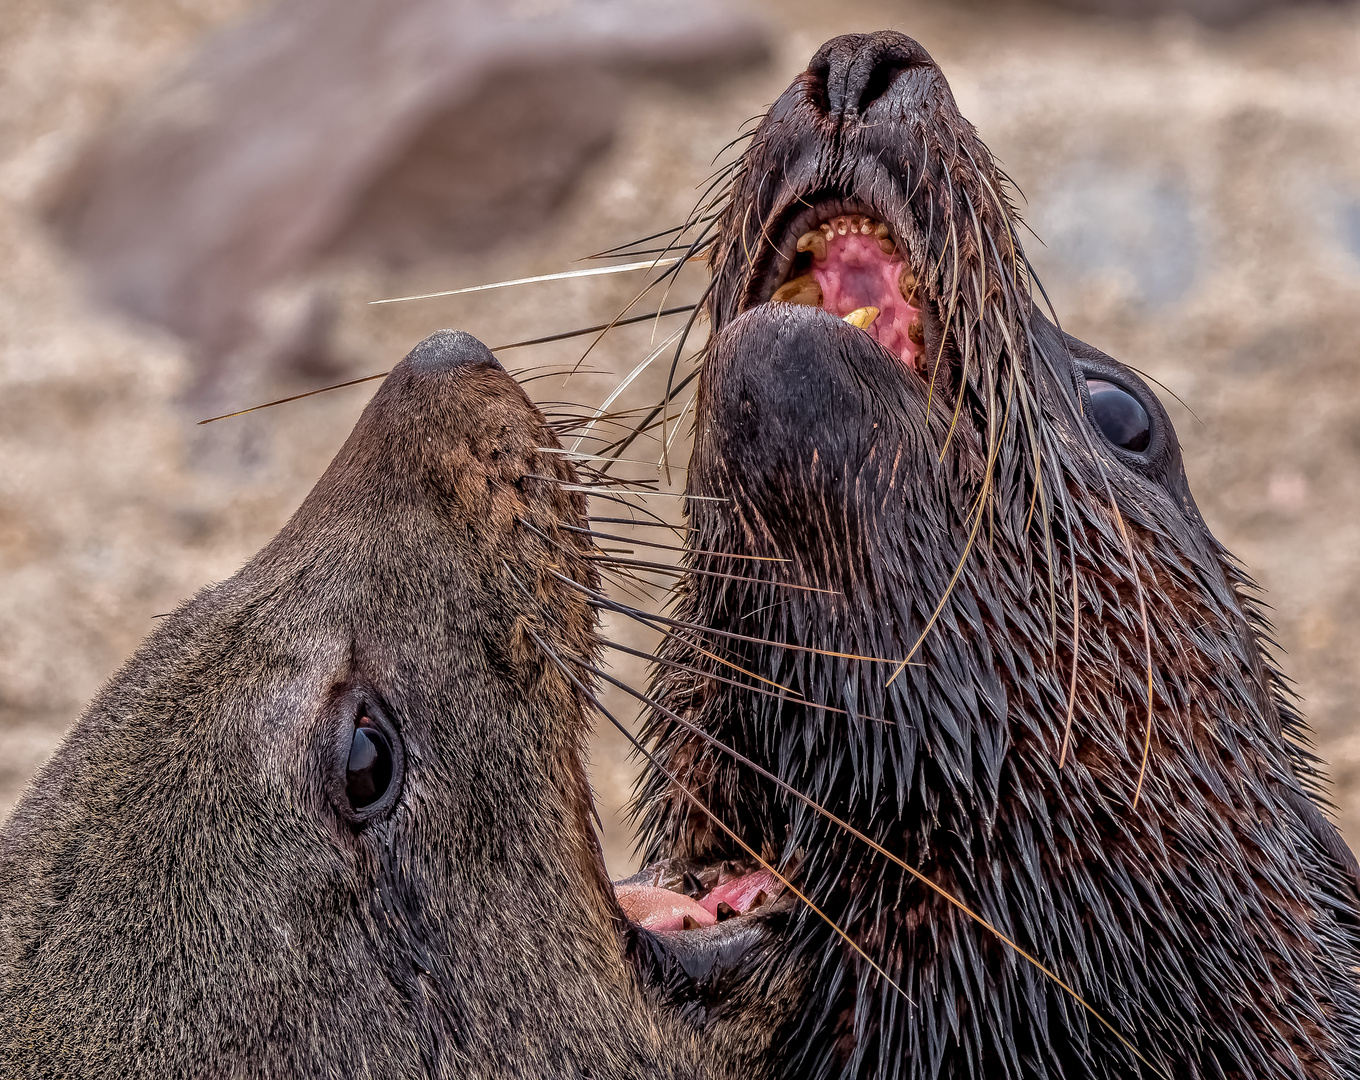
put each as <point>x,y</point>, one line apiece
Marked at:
<point>906,284</point>
<point>803,290</point>
<point>862,317</point>
<point>814,242</point>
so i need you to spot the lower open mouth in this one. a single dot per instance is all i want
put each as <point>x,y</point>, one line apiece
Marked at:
<point>681,894</point>
<point>850,266</point>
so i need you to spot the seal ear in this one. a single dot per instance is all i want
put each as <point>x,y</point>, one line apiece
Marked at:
<point>363,758</point>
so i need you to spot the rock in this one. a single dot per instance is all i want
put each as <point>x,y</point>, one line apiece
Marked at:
<point>387,129</point>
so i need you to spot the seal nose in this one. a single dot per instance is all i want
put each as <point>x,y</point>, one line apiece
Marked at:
<point>851,72</point>
<point>449,350</point>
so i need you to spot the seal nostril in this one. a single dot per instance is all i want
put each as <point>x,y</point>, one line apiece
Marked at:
<point>880,78</point>
<point>851,72</point>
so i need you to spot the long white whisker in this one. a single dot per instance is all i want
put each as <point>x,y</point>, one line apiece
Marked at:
<point>604,407</point>
<point>594,271</point>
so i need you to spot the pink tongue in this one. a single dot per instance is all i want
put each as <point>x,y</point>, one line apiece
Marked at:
<point>856,274</point>
<point>660,909</point>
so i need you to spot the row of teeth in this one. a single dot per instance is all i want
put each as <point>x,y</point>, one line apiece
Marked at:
<point>805,290</point>
<point>816,240</point>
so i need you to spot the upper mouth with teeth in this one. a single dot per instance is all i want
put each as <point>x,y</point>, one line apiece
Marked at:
<point>850,266</point>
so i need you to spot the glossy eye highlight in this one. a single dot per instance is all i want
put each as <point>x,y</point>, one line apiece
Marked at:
<point>1119,415</point>
<point>368,772</point>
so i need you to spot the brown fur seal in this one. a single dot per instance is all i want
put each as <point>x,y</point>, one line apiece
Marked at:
<point>951,588</point>
<point>332,819</point>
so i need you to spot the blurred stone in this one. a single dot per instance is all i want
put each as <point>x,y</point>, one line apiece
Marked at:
<point>384,129</point>
<point>1214,12</point>
<point>1109,217</point>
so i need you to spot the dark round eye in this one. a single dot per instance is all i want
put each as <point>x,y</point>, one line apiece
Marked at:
<point>1119,415</point>
<point>369,770</point>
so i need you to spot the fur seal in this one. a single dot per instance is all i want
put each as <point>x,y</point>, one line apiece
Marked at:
<point>1005,710</point>
<point>332,819</point>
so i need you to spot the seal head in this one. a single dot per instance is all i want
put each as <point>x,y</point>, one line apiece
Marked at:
<point>1016,728</point>
<point>331,819</point>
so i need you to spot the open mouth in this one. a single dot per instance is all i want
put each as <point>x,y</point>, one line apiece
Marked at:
<point>681,894</point>
<point>847,262</point>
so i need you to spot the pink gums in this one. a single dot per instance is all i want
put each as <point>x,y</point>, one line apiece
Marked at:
<point>856,274</point>
<point>740,893</point>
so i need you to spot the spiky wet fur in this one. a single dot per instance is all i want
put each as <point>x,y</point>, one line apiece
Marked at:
<point>182,892</point>
<point>1198,901</point>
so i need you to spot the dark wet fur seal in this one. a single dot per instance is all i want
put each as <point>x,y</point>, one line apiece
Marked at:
<point>955,504</point>
<point>187,888</point>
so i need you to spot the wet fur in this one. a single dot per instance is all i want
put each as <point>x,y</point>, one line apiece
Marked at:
<point>1204,906</point>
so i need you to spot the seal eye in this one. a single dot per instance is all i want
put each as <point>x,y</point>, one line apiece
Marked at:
<point>1119,415</point>
<point>369,770</point>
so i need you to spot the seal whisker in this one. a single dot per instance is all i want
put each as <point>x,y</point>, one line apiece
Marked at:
<point>650,420</point>
<point>621,249</point>
<point>702,806</point>
<point>696,251</point>
<point>648,618</point>
<point>561,275</point>
<point>295,397</point>
<point>683,571</point>
<point>626,382</point>
<point>869,842</point>
<point>674,547</point>
<point>657,523</point>
<point>783,693</point>
<point>602,457</point>
<point>582,331</point>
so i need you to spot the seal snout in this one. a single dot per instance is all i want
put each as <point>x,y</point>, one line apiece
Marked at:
<point>446,351</point>
<point>851,72</point>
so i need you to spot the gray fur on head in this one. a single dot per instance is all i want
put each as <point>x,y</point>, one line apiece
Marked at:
<point>187,892</point>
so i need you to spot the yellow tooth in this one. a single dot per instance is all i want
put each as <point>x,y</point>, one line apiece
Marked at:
<point>842,225</point>
<point>803,290</point>
<point>887,246</point>
<point>906,285</point>
<point>827,230</point>
<point>916,332</point>
<point>881,231</point>
<point>866,227</point>
<point>814,242</point>
<point>862,317</point>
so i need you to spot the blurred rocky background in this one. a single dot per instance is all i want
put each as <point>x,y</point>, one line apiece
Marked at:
<point>199,198</point>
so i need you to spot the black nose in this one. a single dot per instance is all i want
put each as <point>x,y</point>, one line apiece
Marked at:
<point>851,72</point>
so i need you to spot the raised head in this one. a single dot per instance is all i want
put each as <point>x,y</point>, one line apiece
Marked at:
<point>1018,732</point>
<point>332,818</point>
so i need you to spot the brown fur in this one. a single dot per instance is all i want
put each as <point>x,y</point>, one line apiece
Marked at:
<point>184,891</point>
